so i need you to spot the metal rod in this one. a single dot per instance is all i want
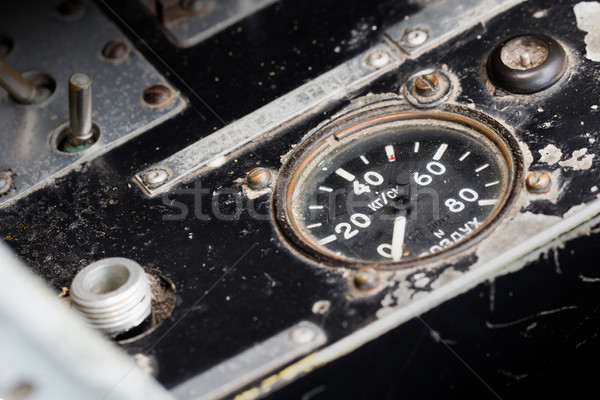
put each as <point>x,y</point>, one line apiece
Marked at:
<point>80,106</point>
<point>18,87</point>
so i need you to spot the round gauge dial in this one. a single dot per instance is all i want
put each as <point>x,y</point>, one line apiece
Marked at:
<point>395,188</point>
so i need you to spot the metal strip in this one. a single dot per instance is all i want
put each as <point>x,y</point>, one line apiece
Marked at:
<point>221,14</point>
<point>442,20</point>
<point>253,363</point>
<point>330,86</point>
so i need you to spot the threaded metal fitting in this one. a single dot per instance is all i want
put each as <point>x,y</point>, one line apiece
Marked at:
<point>113,295</point>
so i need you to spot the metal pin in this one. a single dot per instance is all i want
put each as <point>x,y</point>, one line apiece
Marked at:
<point>80,106</point>
<point>525,59</point>
<point>18,87</point>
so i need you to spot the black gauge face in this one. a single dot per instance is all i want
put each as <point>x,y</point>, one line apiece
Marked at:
<point>397,191</point>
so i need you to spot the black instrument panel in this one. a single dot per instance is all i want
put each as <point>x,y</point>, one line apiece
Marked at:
<point>240,279</point>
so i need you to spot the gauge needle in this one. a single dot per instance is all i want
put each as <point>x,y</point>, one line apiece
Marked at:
<point>398,237</point>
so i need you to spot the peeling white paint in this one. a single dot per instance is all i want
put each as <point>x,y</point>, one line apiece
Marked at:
<point>420,280</point>
<point>550,154</point>
<point>505,254</point>
<point>579,160</point>
<point>421,283</point>
<point>493,257</point>
<point>588,279</point>
<point>445,277</point>
<point>587,14</point>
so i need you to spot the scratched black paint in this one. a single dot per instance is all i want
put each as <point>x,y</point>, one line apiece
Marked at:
<point>238,284</point>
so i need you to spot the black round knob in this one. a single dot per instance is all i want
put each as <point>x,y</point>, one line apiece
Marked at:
<point>526,64</point>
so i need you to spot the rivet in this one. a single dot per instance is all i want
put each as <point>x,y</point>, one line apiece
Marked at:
<point>379,58</point>
<point>303,335</point>
<point>115,50</point>
<point>366,278</point>
<point>538,182</point>
<point>157,95</point>
<point>415,37</point>
<point>156,177</point>
<point>259,178</point>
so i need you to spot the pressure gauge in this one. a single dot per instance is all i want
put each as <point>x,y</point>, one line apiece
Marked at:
<point>392,187</point>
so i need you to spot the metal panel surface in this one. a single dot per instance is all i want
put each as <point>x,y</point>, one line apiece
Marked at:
<point>27,132</point>
<point>333,85</point>
<point>442,20</point>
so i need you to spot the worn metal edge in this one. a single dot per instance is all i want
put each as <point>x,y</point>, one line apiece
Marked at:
<point>93,154</point>
<point>178,39</point>
<point>268,356</point>
<point>497,266</point>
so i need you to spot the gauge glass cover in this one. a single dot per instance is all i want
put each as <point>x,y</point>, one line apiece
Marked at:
<point>397,191</point>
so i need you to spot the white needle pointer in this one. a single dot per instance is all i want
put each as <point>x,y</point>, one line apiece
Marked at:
<point>398,237</point>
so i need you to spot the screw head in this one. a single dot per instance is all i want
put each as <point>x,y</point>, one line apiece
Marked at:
<point>157,95</point>
<point>156,177</point>
<point>115,50</point>
<point>303,335</point>
<point>5,182</point>
<point>427,85</point>
<point>527,64</point>
<point>415,37</point>
<point>366,278</point>
<point>259,178</point>
<point>538,182</point>
<point>379,58</point>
